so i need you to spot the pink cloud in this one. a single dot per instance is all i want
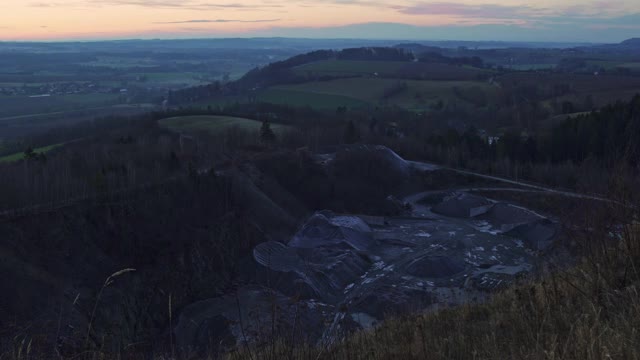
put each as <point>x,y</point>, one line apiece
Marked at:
<point>492,11</point>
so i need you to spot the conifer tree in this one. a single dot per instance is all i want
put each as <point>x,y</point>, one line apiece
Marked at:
<point>267,136</point>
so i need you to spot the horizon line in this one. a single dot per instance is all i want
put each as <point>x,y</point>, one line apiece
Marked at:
<point>71,40</point>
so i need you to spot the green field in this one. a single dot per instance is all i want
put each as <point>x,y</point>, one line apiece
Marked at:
<point>120,62</point>
<point>213,124</point>
<point>346,67</point>
<point>390,69</point>
<point>296,97</point>
<point>634,66</point>
<point>174,78</point>
<point>611,65</point>
<point>25,105</point>
<point>525,67</point>
<point>20,156</point>
<point>370,91</point>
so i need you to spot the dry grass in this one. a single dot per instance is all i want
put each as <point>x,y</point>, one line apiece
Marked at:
<point>108,282</point>
<point>547,320</point>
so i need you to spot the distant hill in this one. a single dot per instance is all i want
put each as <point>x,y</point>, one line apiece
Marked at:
<point>630,45</point>
<point>418,48</point>
<point>281,72</point>
<point>390,65</point>
<point>634,42</point>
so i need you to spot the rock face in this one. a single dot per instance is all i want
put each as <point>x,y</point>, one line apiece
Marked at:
<point>324,229</point>
<point>347,274</point>
<point>538,235</point>
<point>463,205</point>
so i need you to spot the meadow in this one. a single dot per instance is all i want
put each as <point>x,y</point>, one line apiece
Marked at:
<point>391,69</point>
<point>24,105</point>
<point>20,156</point>
<point>298,97</point>
<point>349,67</point>
<point>213,124</point>
<point>526,67</point>
<point>417,95</point>
<point>633,66</point>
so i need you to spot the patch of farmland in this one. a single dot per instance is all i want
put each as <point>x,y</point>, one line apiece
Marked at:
<point>19,156</point>
<point>302,97</point>
<point>213,124</point>
<point>411,94</point>
<point>391,69</point>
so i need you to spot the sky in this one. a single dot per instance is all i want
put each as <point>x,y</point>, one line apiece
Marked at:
<point>509,20</point>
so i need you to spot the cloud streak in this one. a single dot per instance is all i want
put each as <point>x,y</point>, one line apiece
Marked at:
<point>491,11</point>
<point>216,21</point>
<point>157,4</point>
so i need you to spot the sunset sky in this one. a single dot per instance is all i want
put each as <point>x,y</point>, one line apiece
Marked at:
<point>543,20</point>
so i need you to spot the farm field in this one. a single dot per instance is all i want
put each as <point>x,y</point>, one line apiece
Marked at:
<point>297,97</point>
<point>610,65</point>
<point>213,124</point>
<point>391,69</point>
<point>525,67</point>
<point>633,66</point>
<point>417,94</point>
<point>97,111</point>
<point>120,62</point>
<point>174,78</point>
<point>22,125</point>
<point>347,67</point>
<point>20,156</point>
<point>25,105</point>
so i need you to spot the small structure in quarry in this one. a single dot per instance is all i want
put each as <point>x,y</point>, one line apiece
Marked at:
<point>346,273</point>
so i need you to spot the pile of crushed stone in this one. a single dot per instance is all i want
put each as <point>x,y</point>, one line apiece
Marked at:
<point>345,272</point>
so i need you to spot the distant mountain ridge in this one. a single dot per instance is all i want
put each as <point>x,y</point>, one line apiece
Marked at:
<point>627,46</point>
<point>635,42</point>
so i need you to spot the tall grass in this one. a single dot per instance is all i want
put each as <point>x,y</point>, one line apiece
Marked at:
<point>108,282</point>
